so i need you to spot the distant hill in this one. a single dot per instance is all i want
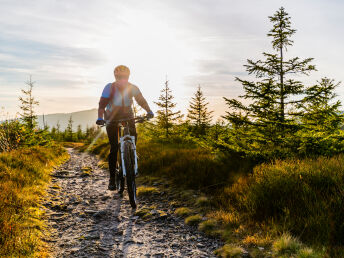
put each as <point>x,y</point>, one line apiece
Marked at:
<point>84,118</point>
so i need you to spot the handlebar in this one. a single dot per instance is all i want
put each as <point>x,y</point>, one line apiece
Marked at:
<point>139,119</point>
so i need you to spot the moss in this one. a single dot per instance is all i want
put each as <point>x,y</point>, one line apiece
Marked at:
<point>142,212</point>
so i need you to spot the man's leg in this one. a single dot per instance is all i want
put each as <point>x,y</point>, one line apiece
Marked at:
<point>132,129</point>
<point>112,132</point>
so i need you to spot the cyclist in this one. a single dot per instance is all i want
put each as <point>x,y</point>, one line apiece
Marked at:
<point>115,103</point>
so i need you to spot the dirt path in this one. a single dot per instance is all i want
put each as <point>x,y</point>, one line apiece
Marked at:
<point>87,220</point>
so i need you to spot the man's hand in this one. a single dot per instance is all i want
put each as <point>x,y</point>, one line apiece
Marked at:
<point>100,121</point>
<point>150,114</point>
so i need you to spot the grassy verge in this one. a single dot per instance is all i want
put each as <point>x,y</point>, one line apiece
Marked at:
<point>24,175</point>
<point>290,208</point>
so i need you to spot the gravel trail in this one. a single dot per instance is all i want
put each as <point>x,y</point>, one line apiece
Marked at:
<point>87,220</point>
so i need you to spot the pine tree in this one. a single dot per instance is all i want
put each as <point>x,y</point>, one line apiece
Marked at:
<point>273,100</point>
<point>198,112</point>
<point>27,106</point>
<point>58,131</point>
<point>79,134</point>
<point>69,129</point>
<point>321,111</point>
<point>166,116</point>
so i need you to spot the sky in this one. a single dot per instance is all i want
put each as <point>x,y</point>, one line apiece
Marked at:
<point>70,48</point>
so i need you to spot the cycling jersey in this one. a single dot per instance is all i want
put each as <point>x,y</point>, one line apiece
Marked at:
<point>118,103</point>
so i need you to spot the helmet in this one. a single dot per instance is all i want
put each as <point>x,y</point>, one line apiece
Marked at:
<point>121,70</point>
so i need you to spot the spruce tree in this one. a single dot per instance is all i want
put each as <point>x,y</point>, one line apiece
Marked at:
<point>27,106</point>
<point>320,110</point>
<point>270,117</point>
<point>198,112</point>
<point>69,129</point>
<point>58,131</point>
<point>79,133</point>
<point>165,115</point>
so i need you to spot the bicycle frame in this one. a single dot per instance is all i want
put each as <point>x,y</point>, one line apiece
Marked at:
<point>125,136</point>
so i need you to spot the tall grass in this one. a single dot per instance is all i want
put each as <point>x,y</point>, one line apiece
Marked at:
<point>302,196</point>
<point>186,166</point>
<point>305,197</point>
<point>24,174</point>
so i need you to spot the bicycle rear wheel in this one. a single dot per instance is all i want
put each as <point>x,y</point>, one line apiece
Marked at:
<point>130,172</point>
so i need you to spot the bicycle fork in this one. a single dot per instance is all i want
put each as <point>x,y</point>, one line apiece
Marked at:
<point>131,139</point>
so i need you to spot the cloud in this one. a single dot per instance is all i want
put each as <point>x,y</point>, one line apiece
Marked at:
<point>71,47</point>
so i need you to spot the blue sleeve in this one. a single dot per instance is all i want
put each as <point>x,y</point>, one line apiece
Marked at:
<point>106,91</point>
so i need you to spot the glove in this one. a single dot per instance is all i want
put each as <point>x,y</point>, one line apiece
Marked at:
<point>100,121</point>
<point>150,114</point>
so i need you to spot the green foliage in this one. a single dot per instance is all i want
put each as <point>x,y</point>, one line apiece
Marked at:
<point>11,134</point>
<point>229,250</point>
<point>28,103</point>
<point>166,117</point>
<point>193,220</point>
<point>198,113</point>
<point>23,178</point>
<point>302,196</point>
<point>69,135</point>
<point>283,118</point>
<point>289,246</point>
<point>183,211</point>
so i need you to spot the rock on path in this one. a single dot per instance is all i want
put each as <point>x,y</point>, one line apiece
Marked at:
<point>87,220</point>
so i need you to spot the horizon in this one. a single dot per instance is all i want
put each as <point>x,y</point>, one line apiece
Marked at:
<point>71,51</point>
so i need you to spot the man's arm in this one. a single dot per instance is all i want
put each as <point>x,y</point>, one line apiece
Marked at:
<point>104,100</point>
<point>101,108</point>
<point>142,102</point>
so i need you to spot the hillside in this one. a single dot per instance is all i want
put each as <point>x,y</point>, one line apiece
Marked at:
<point>84,118</point>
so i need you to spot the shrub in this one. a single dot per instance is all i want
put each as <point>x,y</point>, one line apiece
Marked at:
<point>24,175</point>
<point>303,196</point>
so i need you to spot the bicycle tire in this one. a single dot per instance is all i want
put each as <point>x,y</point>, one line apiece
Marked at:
<point>119,179</point>
<point>130,172</point>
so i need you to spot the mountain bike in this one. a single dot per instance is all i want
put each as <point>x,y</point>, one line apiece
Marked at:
<point>126,170</point>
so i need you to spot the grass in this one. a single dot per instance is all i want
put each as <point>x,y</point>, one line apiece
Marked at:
<point>302,197</point>
<point>186,166</point>
<point>146,190</point>
<point>193,220</point>
<point>183,211</point>
<point>24,175</point>
<point>286,245</point>
<point>202,201</point>
<point>289,246</point>
<point>229,250</point>
<point>209,227</point>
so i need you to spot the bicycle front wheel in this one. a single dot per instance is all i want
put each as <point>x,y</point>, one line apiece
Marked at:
<point>119,178</point>
<point>129,162</point>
